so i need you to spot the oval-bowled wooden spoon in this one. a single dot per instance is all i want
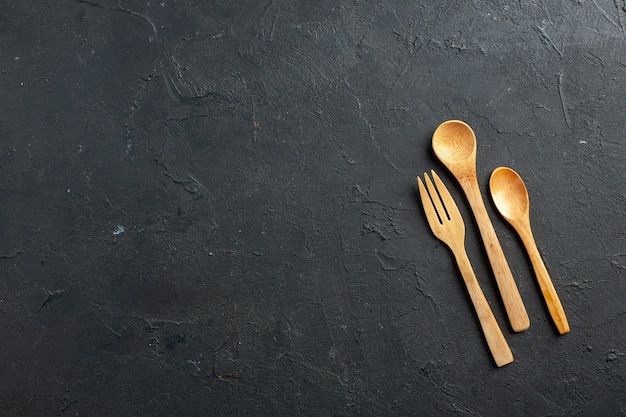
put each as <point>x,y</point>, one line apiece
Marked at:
<point>454,143</point>
<point>511,199</point>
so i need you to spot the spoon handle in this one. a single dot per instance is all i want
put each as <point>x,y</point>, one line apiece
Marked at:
<point>518,317</point>
<point>545,283</point>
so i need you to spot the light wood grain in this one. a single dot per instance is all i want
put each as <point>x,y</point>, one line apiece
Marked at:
<point>498,346</point>
<point>447,224</point>
<point>545,283</point>
<point>454,144</point>
<point>511,199</point>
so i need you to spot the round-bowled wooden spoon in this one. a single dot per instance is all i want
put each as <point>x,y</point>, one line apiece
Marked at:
<point>511,199</point>
<point>454,143</point>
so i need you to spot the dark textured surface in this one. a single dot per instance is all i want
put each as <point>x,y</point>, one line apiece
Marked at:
<point>209,207</point>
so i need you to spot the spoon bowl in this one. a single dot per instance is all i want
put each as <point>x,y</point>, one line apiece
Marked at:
<point>454,143</point>
<point>509,194</point>
<point>511,199</point>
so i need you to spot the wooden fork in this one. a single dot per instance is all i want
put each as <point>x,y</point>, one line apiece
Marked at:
<point>447,224</point>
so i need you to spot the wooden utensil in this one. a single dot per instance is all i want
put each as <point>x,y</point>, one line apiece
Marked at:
<point>454,143</point>
<point>511,199</point>
<point>447,224</point>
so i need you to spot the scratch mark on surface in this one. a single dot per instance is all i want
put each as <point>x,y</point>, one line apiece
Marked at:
<point>327,319</point>
<point>617,264</point>
<point>123,9</point>
<point>619,14</point>
<point>195,364</point>
<point>156,323</point>
<point>561,96</point>
<point>388,263</point>
<point>198,183</point>
<point>614,355</point>
<point>273,28</point>
<point>545,10</point>
<point>267,7</point>
<point>186,118</point>
<point>116,334</point>
<point>618,316</point>
<point>605,14</point>
<point>548,41</point>
<point>129,143</point>
<point>255,122</point>
<point>36,344</point>
<point>52,295</point>
<point>407,66</point>
<point>370,128</point>
<point>319,370</point>
<point>191,185</point>
<point>170,84</point>
<point>420,288</point>
<point>12,254</point>
<point>223,354</point>
<point>142,16</point>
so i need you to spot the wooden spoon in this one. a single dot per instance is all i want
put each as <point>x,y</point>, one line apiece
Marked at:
<point>454,143</point>
<point>511,199</point>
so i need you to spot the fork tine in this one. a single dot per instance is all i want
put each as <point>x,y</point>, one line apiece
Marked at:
<point>451,207</point>
<point>434,196</point>
<point>429,209</point>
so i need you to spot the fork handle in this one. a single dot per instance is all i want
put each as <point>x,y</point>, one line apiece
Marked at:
<point>495,339</point>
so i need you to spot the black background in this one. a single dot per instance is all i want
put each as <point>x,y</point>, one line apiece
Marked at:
<point>210,208</point>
